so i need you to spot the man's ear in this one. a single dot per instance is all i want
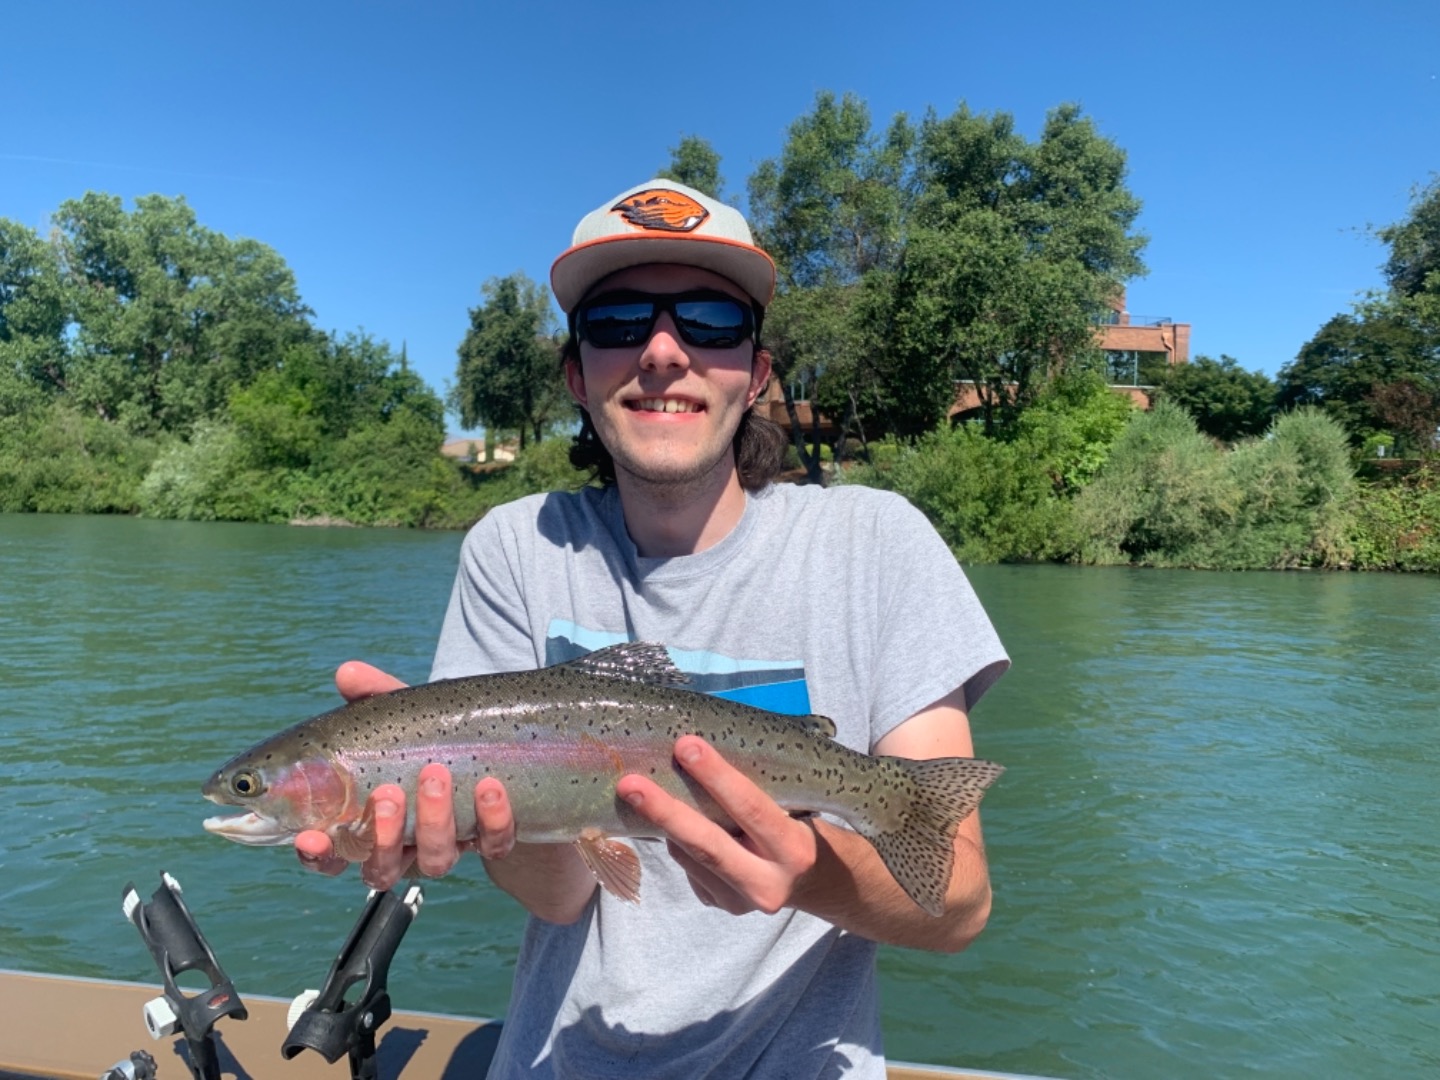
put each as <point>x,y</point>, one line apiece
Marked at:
<point>759,375</point>
<point>575,381</point>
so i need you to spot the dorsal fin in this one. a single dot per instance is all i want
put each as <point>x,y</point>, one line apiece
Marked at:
<point>820,725</point>
<point>635,661</point>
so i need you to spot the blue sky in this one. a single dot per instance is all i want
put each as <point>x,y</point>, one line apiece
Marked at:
<point>398,155</point>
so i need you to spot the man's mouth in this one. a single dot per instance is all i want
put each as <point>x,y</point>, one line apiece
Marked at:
<point>663,405</point>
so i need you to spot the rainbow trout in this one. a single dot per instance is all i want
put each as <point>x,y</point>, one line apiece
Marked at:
<point>560,737</point>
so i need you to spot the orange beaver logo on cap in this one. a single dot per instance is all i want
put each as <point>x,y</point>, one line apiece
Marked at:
<point>662,209</point>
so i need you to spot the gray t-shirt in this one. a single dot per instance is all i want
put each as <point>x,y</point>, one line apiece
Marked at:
<point>842,602</point>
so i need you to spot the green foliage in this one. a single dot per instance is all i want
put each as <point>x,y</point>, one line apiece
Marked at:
<point>1227,402</point>
<point>170,317</point>
<point>33,319</point>
<point>1072,426</point>
<point>509,374</point>
<point>1396,526</point>
<point>831,208</point>
<point>1413,269</point>
<point>546,467</point>
<point>990,500</point>
<point>695,163</point>
<point>1379,367</point>
<point>1168,496</point>
<point>1013,250</point>
<point>388,473</point>
<point>1160,498</point>
<point>275,423</point>
<point>57,460</point>
<point>194,480</point>
<point>1339,369</point>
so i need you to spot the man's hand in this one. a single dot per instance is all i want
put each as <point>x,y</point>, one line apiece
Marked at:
<point>758,870</point>
<point>435,850</point>
<point>809,864</point>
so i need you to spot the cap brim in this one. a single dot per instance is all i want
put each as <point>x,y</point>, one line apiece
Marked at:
<point>580,268</point>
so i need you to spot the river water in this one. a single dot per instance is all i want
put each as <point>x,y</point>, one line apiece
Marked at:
<point>1216,851</point>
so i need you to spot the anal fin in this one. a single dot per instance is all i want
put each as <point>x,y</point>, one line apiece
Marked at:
<point>615,866</point>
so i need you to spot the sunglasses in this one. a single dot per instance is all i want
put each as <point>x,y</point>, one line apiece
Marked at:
<point>704,318</point>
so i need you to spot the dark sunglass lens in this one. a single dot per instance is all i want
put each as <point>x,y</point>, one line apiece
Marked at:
<point>715,324</point>
<point>610,326</point>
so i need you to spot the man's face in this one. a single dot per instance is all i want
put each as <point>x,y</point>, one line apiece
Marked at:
<point>667,411</point>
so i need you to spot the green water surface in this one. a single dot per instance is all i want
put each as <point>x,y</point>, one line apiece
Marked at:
<point>1216,851</point>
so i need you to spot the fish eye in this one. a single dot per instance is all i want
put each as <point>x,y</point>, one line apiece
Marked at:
<point>246,783</point>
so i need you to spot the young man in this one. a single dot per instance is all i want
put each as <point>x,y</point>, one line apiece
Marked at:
<point>749,954</point>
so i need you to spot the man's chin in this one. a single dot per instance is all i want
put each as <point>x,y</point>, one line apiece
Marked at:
<point>674,470</point>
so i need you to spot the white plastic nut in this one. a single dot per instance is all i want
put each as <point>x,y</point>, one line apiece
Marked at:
<point>160,1018</point>
<point>303,1001</point>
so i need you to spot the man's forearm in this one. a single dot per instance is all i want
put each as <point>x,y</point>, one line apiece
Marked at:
<point>550,880</point>
<point>851,887</point>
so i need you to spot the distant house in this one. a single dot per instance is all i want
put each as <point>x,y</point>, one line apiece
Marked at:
<point>473,450</point>
<point>1138,348</point>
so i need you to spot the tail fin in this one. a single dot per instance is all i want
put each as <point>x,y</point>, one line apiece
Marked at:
<point>920,852</point>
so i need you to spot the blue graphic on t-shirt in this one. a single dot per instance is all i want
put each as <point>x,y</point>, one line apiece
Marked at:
<point>776,685</point>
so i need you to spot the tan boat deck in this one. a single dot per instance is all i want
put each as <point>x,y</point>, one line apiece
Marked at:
<point>60,1028</point>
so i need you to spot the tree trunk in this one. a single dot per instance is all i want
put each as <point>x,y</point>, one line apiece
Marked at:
<point>797,437</point>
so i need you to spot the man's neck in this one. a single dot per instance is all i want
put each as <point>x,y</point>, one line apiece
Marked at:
<point>666,520</point>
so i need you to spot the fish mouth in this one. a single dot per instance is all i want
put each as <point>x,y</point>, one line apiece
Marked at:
<point>250,829</point>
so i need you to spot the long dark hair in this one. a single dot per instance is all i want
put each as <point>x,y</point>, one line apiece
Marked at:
<point>759,442</point>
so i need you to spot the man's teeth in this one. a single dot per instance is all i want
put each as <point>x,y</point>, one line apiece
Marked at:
<point>666,405</point>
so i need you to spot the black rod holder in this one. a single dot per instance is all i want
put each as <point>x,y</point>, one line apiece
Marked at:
<point>322,1020</point>
<point>177,946</point>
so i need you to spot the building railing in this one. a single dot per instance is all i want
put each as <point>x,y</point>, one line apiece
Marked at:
<point>1116,318</point>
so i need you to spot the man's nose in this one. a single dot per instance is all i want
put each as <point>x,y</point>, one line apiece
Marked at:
<point>664,350</point>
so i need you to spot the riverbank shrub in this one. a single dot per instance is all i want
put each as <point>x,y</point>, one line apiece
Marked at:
<point>57,460</point>
<point>1396,525</point>
<point>991,501</point>
<point>1161,496</point>
<point>1072,426</point>
<point>1170,496</point>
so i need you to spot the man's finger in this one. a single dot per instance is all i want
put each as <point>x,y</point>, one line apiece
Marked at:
<point>317,853</point>
<point>759,816</point>
<point>706,843</point>
<point>496,833</point>
<point>435,850</point>
<point>389,859</point>
<point>356,679</point>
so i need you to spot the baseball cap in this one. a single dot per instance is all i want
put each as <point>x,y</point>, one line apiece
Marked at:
<point>661,221</point>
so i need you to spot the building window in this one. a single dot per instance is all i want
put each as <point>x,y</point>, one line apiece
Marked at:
<point>1135,367</point>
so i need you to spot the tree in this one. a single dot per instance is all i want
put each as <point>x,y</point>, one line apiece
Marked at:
<point>1227,402</point>
<point>509,372</point>
<point>33,320</point>
<point>1410,410</point>
<point>171,316</point>
<point>1013,251</point>
<point>830,210</point>
<point>1338,369</point>
<point>695,163</point>
<point>1391,339</point>
<point>1413,269</point>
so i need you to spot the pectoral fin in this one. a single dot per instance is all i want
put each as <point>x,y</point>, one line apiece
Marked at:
<point>354,841</point>
<point>614,865</point>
